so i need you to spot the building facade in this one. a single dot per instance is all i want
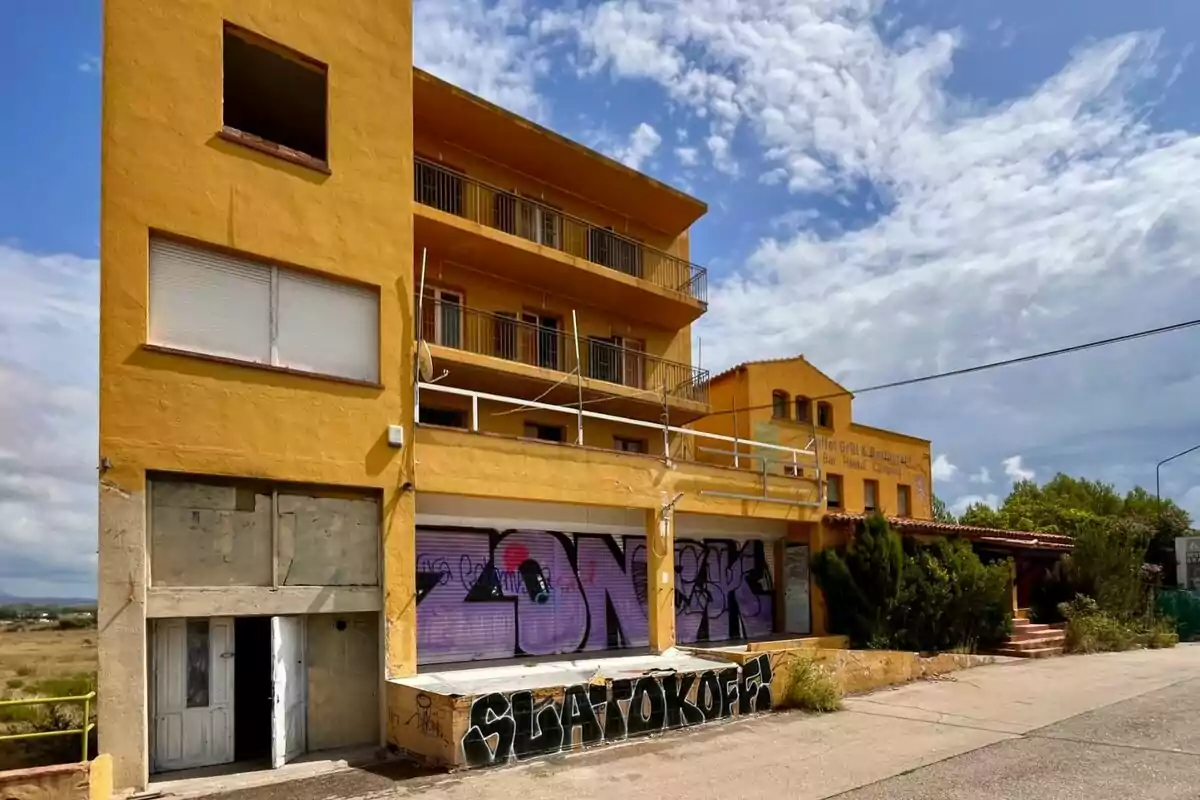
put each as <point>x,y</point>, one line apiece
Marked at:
<point>392,378</point>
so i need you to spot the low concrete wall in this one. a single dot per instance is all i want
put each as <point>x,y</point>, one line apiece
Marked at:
<point>80,781</point>
<point>453,731</point>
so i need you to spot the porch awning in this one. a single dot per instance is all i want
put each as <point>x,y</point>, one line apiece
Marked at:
<point>1013,540</point>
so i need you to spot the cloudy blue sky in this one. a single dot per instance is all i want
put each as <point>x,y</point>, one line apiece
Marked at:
<point>896,188</point>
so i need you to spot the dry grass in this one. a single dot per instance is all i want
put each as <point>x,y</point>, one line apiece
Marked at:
<point>33,656</point>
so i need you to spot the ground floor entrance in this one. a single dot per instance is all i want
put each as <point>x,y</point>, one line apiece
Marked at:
<point>259,689</point>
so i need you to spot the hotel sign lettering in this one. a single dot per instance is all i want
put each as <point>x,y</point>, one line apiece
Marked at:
<point>863,457</point>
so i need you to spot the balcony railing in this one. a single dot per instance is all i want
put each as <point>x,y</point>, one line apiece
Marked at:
<point>542,342</point>
<point>455,193</point>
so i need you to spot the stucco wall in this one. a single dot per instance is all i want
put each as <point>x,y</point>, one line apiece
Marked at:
<point>204,534</point>
<point>163,168</point>
<point>82,781</point>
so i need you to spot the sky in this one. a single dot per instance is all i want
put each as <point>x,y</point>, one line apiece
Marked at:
<point>896,188</point>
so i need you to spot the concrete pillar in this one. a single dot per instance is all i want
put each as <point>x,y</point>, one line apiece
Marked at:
<point>121,619</point>
<point>400,582</point>
<point>818,539</point>
<point>660,577</point>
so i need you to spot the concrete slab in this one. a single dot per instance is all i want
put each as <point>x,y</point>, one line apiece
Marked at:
<point>546,674</point>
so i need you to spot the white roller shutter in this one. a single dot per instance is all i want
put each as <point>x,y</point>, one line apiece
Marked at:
<point>327,327</point>
<point>209,302</point>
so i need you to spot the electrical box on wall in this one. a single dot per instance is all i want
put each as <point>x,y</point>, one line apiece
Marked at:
<point>396,435</point>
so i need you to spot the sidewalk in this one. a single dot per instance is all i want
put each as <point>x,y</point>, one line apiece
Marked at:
<point>792,755</point>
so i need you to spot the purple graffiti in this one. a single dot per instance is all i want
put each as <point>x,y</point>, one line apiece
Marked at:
<point>492,594</point>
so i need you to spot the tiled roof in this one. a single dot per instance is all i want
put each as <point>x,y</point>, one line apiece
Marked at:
<point>725,372</point>
<point>1025,539</point>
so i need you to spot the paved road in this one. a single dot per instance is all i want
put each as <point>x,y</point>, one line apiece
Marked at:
<point>1109,726</point>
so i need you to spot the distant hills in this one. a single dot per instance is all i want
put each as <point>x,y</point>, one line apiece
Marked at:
<point>16,600</point>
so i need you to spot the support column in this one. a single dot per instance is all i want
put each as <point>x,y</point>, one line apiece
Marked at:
<point>399,583</point>
<point>121,619</point>
<point>660,577</point>
<point>1015,583</point>
<point>817,541</point>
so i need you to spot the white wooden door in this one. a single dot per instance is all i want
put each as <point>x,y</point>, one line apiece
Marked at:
<point>193,692</point>
<point>797,618</point>
<point>289,690</point>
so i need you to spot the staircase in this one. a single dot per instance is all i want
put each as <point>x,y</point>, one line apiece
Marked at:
<point>1029,640</point>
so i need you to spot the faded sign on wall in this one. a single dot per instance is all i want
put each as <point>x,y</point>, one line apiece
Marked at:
<point>504,727</point>
<point>491,594</point>
<point>1187,560</point>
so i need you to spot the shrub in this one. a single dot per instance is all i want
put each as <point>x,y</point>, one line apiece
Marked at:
<point>1092,630</point>
<point>14,683</point>
<point>811,688</point>
<point>862,581</point>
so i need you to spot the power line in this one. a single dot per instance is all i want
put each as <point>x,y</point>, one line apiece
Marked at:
<point>991,365</point>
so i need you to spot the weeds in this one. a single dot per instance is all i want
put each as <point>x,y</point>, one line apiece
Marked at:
<point>811,688</point>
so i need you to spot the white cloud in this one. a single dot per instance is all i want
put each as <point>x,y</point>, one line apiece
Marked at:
<point>982,476</point>
<point>722,157</point>
<point>1014,469</point>
<point>943,470</point>
<point>642,144</point>
<point>48,423</point>
<point>485,46</point>
<point>967,500</point>
<point>89,64</point>
<point>687,156</point>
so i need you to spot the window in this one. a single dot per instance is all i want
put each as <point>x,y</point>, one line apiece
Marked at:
<point>629,445</point>
<point>274,96</point>
<point>617,360</point>
<point>793,470</point>
<point>824,415</point>
<point>803,409</point>
<point>610,250</point>
<point>446,417</point>
<point>527,220</point>
<point>833,491</point>
<point>779,404</point>
<point>904,500</point>
<point>442,317</point>
<point>540,341</point>
<point>439,186</point>
<point>870,495</point>
<point>547,433</point>
<point>198,662</point>
<point>234,307</point>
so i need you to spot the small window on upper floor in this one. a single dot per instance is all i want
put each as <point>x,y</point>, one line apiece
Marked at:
<point>870,495</point>
<point>274,98</point>
<point>904,500</point>
<point>444,417</point>
<point>630,445</point>
<point>833,491</point>
<point>779,404</point>
<point>824,415</point>
<point>546,433</point>
<point>803,409</point>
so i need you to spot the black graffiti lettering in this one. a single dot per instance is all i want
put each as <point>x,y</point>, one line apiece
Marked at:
<point>538,731</point>
<point>491,716</point>
<point>708,696</point>
<point>729,689</point>
<point>515,726</point>
<point>647,709</point>
<point>614,714</point>
<point>680,710</point>
<point>578,711</point>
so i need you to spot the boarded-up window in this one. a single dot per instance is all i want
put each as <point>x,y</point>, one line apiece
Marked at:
<point>235,307</point>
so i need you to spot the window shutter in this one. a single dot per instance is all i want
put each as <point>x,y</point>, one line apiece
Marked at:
<point>327,327</point>
<point>209,302</point>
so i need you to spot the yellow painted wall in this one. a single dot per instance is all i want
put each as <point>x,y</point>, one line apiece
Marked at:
<point>163,168</point>
<point>491,294</point>
<point>853,451</point>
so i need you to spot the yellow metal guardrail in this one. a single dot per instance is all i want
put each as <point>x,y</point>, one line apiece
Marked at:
<point>88,725</point>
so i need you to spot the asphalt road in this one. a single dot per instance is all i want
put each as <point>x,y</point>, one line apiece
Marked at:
<point>1121,725</point>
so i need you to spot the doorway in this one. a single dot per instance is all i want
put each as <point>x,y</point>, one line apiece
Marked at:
<point>252,688</point>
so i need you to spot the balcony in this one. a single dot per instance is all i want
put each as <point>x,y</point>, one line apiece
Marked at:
<point>624,264</point>
<point>615,371</point>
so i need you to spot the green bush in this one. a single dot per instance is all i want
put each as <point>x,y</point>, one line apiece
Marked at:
<point>882,593</point>
<point>1092,630</point>
<point>811,688</point>
<point>14,683</point>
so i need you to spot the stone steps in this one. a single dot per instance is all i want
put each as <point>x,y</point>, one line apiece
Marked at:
<point>1033,640</point>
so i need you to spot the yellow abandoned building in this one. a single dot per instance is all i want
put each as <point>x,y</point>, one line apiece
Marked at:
<point>392,381</point>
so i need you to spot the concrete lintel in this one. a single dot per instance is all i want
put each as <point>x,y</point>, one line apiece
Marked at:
<point>226,601</point>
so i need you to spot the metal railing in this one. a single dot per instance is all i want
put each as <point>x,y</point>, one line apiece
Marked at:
<point>455,193</point>
<point>541,342</point>
<point>83,732</point>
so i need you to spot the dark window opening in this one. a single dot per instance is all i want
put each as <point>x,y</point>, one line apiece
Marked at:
<point>779,404</point>
<point>273,96</point>
<point>445,417</point>
<point>630,445</point>
<point>439,187</point>
<point>803,409</point>
<point>252,684</point>
<point>824,415</point>
<point>199,659</point>
<point>904,500</point>
<point>610,250</point>
<point>833,491</point>
<point>546,433</point>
